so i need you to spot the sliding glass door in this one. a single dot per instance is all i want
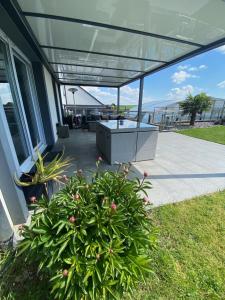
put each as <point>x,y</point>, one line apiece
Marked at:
<point>28,103</point>
<point>11,109</point>
<point>19,107</point>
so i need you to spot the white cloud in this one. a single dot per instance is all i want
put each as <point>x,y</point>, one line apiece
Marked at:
<point>181,93</point>
<point>128,95</point>
<point>181,76</point>
<point>221,84</point>
<point>100,92</point>
<point>221,49</point>
<point>127,90</point>
<point>183,67</point>
<point>105,95</point>
<point>191,69</point>
<point>202,67</point>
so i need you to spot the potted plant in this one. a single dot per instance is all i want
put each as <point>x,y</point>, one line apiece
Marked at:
<point>93,240</point>
<point>41,181</point>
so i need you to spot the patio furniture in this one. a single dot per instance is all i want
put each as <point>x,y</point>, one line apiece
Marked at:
<point>126,141</point>
<point>92,126</point>
<point>63,131</point>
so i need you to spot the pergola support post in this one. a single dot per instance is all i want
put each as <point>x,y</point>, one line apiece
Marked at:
<point>141,87</point>
<point>118,100</point>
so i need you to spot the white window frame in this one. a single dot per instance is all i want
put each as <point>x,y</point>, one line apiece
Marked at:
<point>12,50</point>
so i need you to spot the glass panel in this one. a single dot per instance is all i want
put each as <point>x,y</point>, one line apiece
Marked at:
<point>71,57</point>
<point>11,110</point>
<point>90,70</point>
<point>90,78</point>
<point>90,82</point>
<point>183,19</point>
<point>23,80</point>
<point>91,38</point>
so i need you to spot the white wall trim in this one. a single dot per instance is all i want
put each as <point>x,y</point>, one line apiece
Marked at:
<point>2,200</point>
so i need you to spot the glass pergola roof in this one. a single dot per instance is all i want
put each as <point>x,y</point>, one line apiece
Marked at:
<point>112,42</point>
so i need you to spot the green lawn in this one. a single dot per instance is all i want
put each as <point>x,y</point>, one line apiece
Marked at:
<point>123,107</point>
<point>213,134</point>
<point>188,264</point>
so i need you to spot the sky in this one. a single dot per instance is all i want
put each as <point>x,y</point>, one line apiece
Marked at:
<point>202,73</point>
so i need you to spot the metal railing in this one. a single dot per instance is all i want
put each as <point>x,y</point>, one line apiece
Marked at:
<point>165,117</point>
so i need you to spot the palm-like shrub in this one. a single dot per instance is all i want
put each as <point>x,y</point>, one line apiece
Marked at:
<point>194,105</point>
<point>46,172</point>
<point>94,240</point>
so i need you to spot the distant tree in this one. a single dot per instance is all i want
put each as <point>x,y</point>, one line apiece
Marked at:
<point>194,105</point>
<point>113,106</point>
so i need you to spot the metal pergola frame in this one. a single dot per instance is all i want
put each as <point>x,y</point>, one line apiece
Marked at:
<point>165,64</point>
<point>101,53</point>
<point>19,18</point>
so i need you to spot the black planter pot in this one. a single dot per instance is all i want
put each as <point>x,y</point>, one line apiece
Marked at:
<point>36,190</point>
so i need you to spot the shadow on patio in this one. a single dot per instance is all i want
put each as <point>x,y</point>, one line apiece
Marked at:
<point>81,148</point>
<point>184,167</point>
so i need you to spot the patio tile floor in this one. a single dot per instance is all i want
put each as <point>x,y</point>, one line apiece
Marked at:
<point>184,167</point>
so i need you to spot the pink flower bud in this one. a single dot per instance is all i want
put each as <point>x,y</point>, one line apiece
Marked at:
<point>79,172</point>
<point>65,273</point>
<point>98,256</point>
<point>126,170</point>
<point>76,197</point>
<point>65,178</point>
<point>110,250</point>
<point>72,219</point>
<point>146,200</point>
<point>33,199</point>
<point>100,158</point>
<point>146,174</point>
<point>113,206</point>
<point>21,227</point>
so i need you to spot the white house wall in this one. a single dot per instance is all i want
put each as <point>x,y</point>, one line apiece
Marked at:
<point>81,97</point>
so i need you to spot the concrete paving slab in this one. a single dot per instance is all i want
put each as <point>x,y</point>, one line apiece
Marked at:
<point>184,167</point>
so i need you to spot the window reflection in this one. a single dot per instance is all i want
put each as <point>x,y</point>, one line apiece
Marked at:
<point>23,80</point>
<point>10,109</point>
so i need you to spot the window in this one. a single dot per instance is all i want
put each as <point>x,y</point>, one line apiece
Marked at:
<point>24,85</point>
<point>11,109</point>
<point>19,108</point>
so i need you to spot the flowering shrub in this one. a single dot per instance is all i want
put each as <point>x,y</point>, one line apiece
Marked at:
<point>94,240</point>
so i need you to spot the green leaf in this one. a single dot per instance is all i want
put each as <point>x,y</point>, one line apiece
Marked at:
<point>61,226</point>
<point>39,230</point>
<point>69,278</point>
<point>23,246</point>
<point>112,293</point>
<point>62,248</point>
<point>91,221</point>
<point>98,274</point>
